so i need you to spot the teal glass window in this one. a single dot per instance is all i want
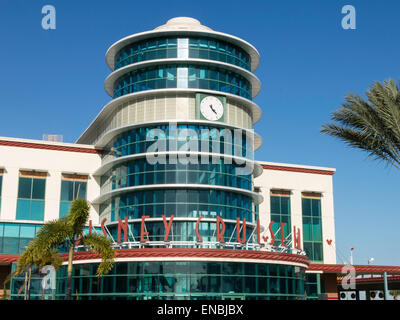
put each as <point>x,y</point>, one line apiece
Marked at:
<point>200,48</point>
<point>173,280</point>
<point>140,172</point>
<point>314,286</point>
<point>227,205</point>
<point>280,213</point>
<point>183,76</point>
<point>138,141</point>
<point>15,237</point>
<point>31,196</point>
<point>312,227</point>
<point>72,187</point>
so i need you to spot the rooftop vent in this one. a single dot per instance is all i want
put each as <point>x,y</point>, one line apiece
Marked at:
<point>53,137</point>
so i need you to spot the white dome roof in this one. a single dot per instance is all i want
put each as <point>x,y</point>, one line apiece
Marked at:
<point>183,23</point>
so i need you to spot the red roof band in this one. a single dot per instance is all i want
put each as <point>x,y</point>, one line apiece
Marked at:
<point>47,147</point>
<point>8,258</point>
<point>196,253</point>
<point>183,253</point>
<point>367,269</point>
<point>378,279</point>
<point>301,170</point>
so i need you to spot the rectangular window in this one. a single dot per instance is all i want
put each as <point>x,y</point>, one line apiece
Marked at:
<point>312,226</point>
<point>72,187</point>
<point>280,213</point>
<point>31,195</point>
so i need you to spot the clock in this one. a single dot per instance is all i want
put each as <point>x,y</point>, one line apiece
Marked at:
<point>211,108</point>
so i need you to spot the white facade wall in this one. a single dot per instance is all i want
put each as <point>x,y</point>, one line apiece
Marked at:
<point>282,178</point>
<point>55,163</point>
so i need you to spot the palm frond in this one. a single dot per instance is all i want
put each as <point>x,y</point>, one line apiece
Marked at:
<point>101,246</point>
<point>78,215</point>
<point>51,257</point>
<point>372,126</point>
<point>54,234</point>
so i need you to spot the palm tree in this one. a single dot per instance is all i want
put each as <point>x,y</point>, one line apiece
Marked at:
<point>67,230</point>
<point>372,126</point>
<point>33,257</point>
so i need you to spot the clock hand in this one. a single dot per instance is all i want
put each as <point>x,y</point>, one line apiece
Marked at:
<point>213,109</point>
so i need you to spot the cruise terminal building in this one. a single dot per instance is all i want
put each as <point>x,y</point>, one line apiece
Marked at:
<point>168,169</point>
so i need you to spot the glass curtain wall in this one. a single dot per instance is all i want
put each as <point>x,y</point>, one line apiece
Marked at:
<point>182,76</point>
<point>186,280</point>
<point>200,48</point>
<point>280,213</point>
<point>312,226</point>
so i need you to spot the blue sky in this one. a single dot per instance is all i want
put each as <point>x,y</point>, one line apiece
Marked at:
<point>53,82</point>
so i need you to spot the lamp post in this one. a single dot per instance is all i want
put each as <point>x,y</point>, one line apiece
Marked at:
<point>351,256</point>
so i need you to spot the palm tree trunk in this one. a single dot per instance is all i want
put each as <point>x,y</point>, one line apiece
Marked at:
<point>29,282</point>
<point>69,279</point>
<point>26,285</point>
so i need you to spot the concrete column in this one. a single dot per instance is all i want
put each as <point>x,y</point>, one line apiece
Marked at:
<point>385,286</point>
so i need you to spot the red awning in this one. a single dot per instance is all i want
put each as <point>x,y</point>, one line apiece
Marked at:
<point>367,269</point>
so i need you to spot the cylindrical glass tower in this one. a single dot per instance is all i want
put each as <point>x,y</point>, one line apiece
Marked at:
<point>176,178</point>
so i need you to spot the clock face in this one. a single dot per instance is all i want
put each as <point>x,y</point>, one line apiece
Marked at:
<point>211,108</point>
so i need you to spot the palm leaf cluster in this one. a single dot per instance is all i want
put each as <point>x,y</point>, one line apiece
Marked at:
<point>64,232</point>
<point>372,126</point>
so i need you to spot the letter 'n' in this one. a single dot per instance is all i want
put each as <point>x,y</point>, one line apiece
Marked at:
<point>123,226</point>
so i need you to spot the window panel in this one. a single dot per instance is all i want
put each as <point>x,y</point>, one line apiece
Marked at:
<point>11,230</point>
<point>72,189</point>
<point>64,208</point>
<point>316,207</point>
<point>275,205</point>
<point>25,188</point>
<point>306,207</point>
<point>38,188</point>
<point>37,210</point>
<point>23,209</point>
<point>67,190</point>
<point>27,231</point>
